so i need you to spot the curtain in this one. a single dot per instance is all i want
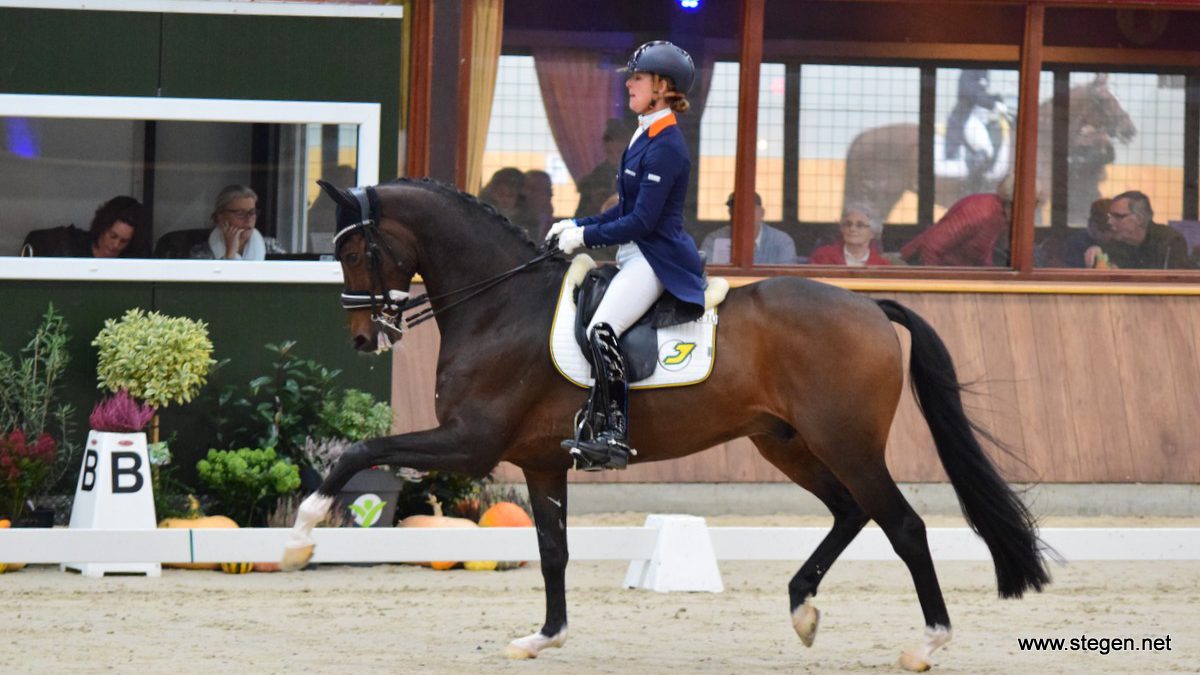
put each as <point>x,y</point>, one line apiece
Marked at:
<point>581,91</point>
<point>487,31</point>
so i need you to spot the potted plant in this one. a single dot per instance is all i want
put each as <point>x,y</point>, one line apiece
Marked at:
<point>369,498</point>
<point>31,458</point>
<point>248,481</point>
<point>156,358</point>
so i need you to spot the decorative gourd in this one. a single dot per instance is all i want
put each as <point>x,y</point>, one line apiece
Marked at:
<point>237,568</point>
<point>437,520</point>
<point>506,514</point>
<point>194,521</point>
<point>4,524</point>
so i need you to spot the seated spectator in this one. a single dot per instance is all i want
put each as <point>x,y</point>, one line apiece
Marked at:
<point>503,191</point>
<point>771,246</point>
<point>1138,242</point>
<point>112,234</point>
<point>1082,245</point>
<point>859,233</point>
<point>972,233</point>
<point>233,235</point>
<point>601,181</point>
<point>535,207</point>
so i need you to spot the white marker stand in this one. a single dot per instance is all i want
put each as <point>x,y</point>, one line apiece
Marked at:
<point>683,558</point>
<point>114,492</point>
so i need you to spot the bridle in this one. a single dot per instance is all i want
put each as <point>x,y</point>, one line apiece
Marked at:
<point>388,308</point>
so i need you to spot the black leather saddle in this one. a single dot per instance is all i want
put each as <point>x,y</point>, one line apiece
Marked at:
<point>639,344</point>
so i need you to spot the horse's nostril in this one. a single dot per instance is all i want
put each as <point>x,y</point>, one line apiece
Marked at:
<point>361,342</point>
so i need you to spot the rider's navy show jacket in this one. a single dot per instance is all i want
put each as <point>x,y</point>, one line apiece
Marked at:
<point>652,185</point>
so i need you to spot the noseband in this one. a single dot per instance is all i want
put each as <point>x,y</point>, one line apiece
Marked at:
<point>388,308</point>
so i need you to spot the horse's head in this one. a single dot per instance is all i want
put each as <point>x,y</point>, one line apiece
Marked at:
<point>378,264</point>
<point>1099,108</point>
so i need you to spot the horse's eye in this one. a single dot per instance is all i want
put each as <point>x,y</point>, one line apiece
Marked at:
<point>350,258</point>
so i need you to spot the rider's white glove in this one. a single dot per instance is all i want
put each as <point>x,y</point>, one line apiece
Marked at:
<point>559,227</point>
<point>570,239</point>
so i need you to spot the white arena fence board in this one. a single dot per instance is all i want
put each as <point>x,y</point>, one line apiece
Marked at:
<point>345,545</point>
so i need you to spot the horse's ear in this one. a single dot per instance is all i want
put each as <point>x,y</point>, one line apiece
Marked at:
<point>1101,80</point>
<point>338,195</point>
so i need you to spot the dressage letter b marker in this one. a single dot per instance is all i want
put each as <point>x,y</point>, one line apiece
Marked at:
<point>114,492</point>
<point>90,459</point>
<point>133,472</point>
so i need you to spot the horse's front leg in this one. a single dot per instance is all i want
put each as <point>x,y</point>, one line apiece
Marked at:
<point>446,448</point>
<point>548,497</point>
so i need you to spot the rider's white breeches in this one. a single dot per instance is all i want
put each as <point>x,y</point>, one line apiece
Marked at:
<point>633,291</point>
<point>975,133</point>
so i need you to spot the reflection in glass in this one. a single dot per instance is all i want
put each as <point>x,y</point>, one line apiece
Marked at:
<point>858,146</point>
<point>975,138</point>
<point>57,174</point>
<point>1125,134</point>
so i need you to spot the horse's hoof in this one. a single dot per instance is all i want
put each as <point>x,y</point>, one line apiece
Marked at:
<point>517,653</point>
<point>913,663</point>
<point>916,659</point>
<point>296,558</point>
<point>530,646</point>
<point>805,620</point>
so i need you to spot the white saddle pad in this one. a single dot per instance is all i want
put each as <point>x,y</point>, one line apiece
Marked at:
<point>685,352</point>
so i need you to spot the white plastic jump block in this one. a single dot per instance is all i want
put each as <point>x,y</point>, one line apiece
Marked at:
<point>114,492</point>
<point>683,558</point>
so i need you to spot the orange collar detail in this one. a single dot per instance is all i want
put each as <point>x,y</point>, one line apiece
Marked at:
<point>657,127</point>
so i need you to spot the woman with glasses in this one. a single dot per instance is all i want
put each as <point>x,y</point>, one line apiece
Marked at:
<point>858,240</point>
<point>233,235</point>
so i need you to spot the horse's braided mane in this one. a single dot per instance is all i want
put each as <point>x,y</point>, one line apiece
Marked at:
<point>486,210</point>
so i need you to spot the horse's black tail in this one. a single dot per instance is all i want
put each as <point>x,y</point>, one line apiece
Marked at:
<point>990,506</point>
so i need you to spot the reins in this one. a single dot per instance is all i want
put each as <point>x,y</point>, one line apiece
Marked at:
<point>388,308</point>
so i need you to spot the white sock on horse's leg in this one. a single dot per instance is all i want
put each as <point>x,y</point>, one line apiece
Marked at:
<point>916,659</point>
<point>299,546</point>
<point>529,646</point>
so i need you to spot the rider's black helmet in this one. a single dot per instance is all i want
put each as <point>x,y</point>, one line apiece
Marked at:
<point>663,58</point>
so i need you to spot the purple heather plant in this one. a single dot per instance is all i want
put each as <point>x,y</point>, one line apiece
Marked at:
<point>120,413</point>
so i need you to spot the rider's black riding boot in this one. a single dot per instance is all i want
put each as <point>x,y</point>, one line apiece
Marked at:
<point>609,448</point>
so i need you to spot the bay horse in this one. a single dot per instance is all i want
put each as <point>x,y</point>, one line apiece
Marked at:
<point>810,372</point>
<point>881,162</point>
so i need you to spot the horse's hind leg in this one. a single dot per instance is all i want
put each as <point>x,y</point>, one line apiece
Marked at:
<point>874,490</point>
<point>795,461</point>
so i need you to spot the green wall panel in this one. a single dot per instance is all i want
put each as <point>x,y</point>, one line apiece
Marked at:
<point>288,58</point>
<point>46,51</point>
<point>242,318</point>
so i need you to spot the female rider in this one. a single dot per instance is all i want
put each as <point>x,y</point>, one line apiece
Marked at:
<point>655,254</point>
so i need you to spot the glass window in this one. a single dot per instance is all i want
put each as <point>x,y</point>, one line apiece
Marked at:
<point>858,155</point>
<point>1125,133</point>
<point>718,151</point>
<point>560,118</point>
<point>140,178</point>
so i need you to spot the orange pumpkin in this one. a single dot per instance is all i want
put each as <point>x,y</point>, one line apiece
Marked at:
<point>206,522</point>
<point>505,514</point>
<point>437,520</point>
<point>4,567</point>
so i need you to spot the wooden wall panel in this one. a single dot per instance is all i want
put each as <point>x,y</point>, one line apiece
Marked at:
<point>1081,388</point>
